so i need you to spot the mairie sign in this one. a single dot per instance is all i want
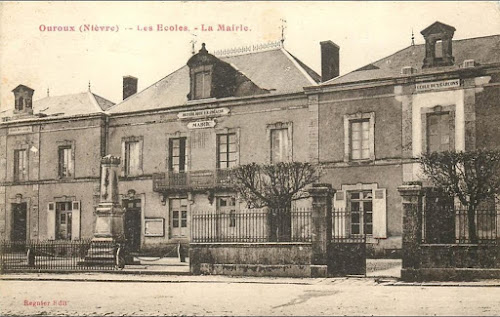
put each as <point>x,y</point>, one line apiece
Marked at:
<point>201,124</point>
<point>203,113</point>
<point>438,85</point>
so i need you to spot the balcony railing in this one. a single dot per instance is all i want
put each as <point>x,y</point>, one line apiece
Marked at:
<point>203,179</point>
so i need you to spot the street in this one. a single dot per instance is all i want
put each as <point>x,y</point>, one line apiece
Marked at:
<point>215,295</point>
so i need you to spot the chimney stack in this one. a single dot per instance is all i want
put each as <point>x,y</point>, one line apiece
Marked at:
<point>129,86</point>
<point>330,67</point>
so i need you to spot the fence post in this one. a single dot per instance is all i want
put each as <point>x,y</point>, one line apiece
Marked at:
<point>412,194</point>
<point>321,231</point>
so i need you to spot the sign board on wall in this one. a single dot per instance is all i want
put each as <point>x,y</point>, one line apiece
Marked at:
<point>20,130</point>
<point>154,227</point>
<point>203,113</point>
<point>201,124</point>
<point>437,85</point>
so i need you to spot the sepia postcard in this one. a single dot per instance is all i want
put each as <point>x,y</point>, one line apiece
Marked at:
<point>249,158</point>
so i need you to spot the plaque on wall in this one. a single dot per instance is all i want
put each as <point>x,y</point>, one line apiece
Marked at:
<point>154,227</point>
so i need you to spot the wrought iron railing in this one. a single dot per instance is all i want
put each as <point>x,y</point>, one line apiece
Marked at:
<point>253,225</point>
<point>80,255</point>
<point>202,179</point>
<point>443,224</point>
<point>342,225</point>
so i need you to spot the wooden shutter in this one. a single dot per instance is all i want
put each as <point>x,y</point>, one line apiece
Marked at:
<point>182,154</point>
<point>339,215</point>
<point>380,213</point>
<point>51,221</point>
<point>75,225</point>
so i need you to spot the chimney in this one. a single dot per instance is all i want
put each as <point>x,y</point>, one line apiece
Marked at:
<point>329,60</point>
<point>129,86</point>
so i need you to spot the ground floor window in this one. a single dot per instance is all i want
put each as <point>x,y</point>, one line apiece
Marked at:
<point>64,220</point>
<point>179,217</point>
<point>361,212</point>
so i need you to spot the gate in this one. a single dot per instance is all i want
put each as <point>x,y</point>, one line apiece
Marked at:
<point>347,247</point>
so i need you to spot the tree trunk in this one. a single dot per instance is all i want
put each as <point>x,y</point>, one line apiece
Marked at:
<point>471,219</point>
<point>285,224</point>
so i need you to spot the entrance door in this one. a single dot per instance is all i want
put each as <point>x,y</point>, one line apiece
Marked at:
<point>179,218</point>
<point>133,224</point>
<point>19,222</point>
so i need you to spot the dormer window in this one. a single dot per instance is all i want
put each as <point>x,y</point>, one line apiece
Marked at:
<point>202,84</point>
<point>23,97</point>
<point>438,45</point>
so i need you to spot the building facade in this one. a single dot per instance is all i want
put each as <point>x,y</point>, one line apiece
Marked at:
<point>179,137</point>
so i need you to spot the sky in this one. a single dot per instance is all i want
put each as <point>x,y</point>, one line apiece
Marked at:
<point>65,61</point>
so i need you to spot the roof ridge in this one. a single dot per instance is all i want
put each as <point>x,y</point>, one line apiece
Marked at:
<point>248,53</point>
<point>94,101</point>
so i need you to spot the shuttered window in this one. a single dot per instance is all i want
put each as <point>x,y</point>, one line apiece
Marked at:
<point>20,165</point>
<point>279,145</point>
<point>202,85</point>
<point>132,158</point>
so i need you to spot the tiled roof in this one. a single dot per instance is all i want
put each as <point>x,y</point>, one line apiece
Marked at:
<point>483,50</point>
<point>67,105</point>
<point>275,70</point>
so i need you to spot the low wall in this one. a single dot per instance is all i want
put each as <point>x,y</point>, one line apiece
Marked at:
<point>252,259</point>
<point>455,262</point>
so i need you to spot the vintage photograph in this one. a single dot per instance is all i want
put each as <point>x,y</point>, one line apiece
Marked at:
<point>280,158</point>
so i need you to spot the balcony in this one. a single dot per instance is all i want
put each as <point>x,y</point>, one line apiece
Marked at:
<point>191,181</point>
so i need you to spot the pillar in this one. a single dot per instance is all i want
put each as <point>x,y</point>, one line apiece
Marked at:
<point>321,231</point>
<point>412,194</point>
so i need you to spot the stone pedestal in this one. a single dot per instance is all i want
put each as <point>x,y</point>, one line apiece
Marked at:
<point>412,194</point>
<point>321,195</point>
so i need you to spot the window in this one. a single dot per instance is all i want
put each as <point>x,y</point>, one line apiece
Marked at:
<point>20,165</point>
<point>179,217</point>
<point>132,158</point>
<point>65,154</point>
<point>64,213</point>
<point>177,155</point>
<point>438,49</point>
<point>360,139</point>
<point>202,85</point>
<point>359,136</point>
<point>226,150</point>
<point>227,205</point>
<point>279,145</point>
<point>438,132</point>
<point>361,211</point>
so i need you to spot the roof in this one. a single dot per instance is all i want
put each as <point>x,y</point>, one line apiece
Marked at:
<point>67,105</point>
<point>483,50</point>
<point>274,70</point>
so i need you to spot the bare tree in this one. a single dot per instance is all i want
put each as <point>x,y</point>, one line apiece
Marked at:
<point>274,186</point>
<point>473,177</point>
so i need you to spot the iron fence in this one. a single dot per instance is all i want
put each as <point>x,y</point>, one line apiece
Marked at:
<point>445,224</point>
<point>80,255</point>
<point>344,221</point>
<point>252,225</point>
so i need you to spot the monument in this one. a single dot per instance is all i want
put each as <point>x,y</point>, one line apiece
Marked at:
<point>107,245</point>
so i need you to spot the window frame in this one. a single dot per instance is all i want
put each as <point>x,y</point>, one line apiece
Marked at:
<point>17,171</point>
<point>70,163</point>
<point>438,109</point>
<point>227,152</point>
<point>182,145</point>
<point>359,117</point>
<point>280,126</point>
<point>126,171</point>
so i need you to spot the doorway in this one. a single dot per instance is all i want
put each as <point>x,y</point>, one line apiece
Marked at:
<point>132,224</point>
<point>19,222</point>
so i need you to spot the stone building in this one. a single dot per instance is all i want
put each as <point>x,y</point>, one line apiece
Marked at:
<point>373,122</point>
<point>178,137</point>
